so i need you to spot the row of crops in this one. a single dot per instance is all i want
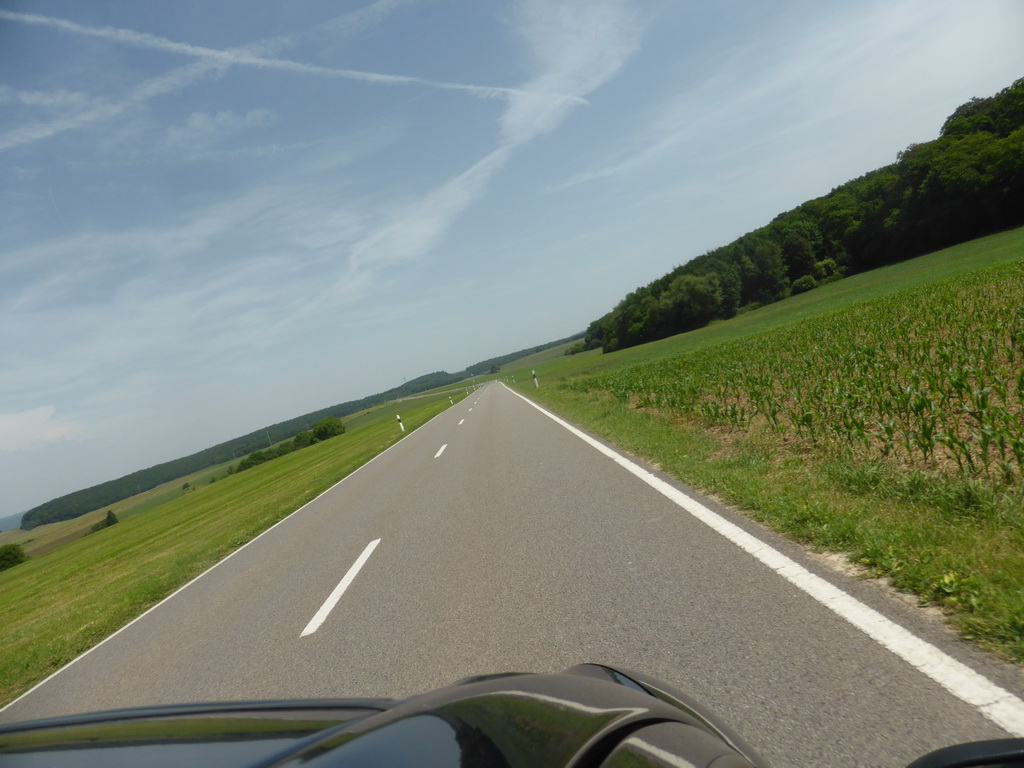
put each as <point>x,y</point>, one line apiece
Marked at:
<point>932,377</point>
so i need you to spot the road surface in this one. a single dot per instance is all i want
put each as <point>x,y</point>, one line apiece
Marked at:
<point>505,542</point>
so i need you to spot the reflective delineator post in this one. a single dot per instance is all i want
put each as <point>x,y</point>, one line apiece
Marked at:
<point>400,422</point>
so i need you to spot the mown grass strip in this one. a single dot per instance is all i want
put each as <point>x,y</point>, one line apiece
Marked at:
<point>57,606</point>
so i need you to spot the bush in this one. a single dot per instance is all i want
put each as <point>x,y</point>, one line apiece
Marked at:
<point>11,555</point>
<point>803,284</point>
<point>328,427</point>
<point>109,520</point>
<point>252,460</point>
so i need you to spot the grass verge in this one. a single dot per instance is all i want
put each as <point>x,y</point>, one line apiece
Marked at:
<point>56,606</point>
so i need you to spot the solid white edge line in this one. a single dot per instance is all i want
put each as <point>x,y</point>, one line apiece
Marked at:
<point>992,701</point>
<point>185,586</point>
<point>440,450</point>
<point>332,600</point>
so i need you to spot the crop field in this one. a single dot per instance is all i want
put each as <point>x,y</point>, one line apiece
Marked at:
<point>932,379</point>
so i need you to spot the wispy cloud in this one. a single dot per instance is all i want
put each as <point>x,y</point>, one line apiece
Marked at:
<point>245,57</point>
<point>575,48</point>
<point>35,428</point>
<point>420,227</point>
<point>61,99</point>
<point>202,128</point>
<point>818,72</point>
<point>179,77</point>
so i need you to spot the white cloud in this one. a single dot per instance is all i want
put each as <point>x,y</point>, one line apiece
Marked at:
<point>214,59</point>
<point>202,128</point>
<point>831,73</point>
<point>420,227</point>
<point>576,48</point>
<point>167,83</point>
<point>34,429</point>
<point>61,99</point>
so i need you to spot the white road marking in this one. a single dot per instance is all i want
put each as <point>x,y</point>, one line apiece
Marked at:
<point>185,586</point>
<point>335,596</point>
<point>471,409</point>
<point>440,450</point>
<point>460,424</point>
<point>994,702</point>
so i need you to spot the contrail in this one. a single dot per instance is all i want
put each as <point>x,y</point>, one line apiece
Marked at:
<point>56,209</point>
<point>238,57</point>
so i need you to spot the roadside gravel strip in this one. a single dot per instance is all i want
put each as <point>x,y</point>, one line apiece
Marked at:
<point>995,703</point>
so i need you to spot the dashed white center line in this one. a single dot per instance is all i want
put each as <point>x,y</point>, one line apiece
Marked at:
<point>335,596</point>
<point>440,450</point>
<point>471,409</point>
<point>461,421</point>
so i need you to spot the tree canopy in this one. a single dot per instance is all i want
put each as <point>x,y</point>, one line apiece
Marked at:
<point>967,183</point>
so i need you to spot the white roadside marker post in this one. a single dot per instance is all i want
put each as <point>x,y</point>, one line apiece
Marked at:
<point>535,382</point>
<point>400,422</point>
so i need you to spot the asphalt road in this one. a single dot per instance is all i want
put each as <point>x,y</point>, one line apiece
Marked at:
<point>521,547</point>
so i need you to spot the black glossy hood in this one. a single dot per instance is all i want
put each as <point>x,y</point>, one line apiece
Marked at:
<point>586,716</point>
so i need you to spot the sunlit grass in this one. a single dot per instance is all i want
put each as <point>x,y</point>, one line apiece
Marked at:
<point>58,605</point>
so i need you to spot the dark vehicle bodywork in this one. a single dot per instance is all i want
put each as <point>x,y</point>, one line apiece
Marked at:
<point>589,715</point>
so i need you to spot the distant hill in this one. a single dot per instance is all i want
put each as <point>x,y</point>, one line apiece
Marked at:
<point>80,502</point>
<point>10,522</point>
<point>967,183</point>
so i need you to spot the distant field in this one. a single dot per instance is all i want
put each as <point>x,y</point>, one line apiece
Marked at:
<point>880,416</point>
<point>554,353</point>
<point>46,538</point>
<point>58,605</point>
<point>961,259</point>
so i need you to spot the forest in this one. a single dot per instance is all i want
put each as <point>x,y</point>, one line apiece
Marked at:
<point>967,183</point>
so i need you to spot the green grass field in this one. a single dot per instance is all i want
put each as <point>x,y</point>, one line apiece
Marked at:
<point>58,605</point>
<point>878,416</point>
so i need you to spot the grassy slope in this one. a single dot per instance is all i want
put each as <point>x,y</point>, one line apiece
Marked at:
<point>961,259</point>
<point>58,605</point>
<point>971,566</point>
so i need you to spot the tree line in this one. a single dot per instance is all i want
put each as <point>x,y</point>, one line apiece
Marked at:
<point>322,430</point>
<point>967,183</point>
<point>104,494</point>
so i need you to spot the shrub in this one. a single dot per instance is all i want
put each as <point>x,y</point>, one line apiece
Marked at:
<point>803,284</point>
<point>11,555</point>
<point>109,520</point>
<point>328,427</point>
<point>252,460</point>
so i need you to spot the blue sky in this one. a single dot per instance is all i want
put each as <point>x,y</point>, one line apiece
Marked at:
<point>219,215</point>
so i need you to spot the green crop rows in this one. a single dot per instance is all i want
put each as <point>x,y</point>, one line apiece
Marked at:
<point>929,378</point>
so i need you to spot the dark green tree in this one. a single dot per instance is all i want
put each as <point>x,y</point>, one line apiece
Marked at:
<point>252,460</point>
<point>11,555</point>
<point>328,427</point>
<point>109,520</point>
